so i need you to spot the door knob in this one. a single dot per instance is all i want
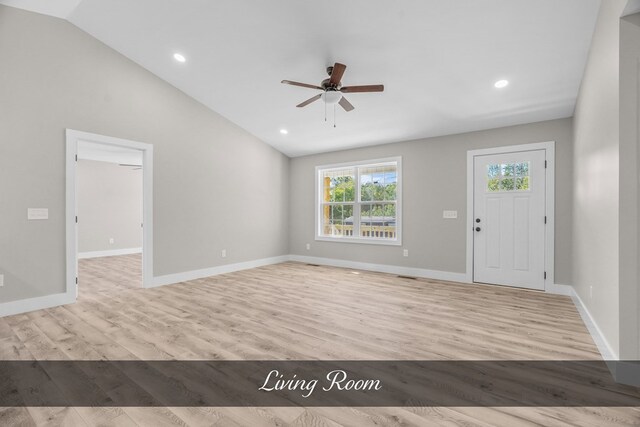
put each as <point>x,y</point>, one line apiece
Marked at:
<point>477,228</point>
<point>477,219</point>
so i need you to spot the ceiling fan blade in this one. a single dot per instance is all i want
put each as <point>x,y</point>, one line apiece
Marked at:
<point>289,82</point>
<point>309,101</point>
<point>367,88</point>
<point>346,104</point>
<point>337,73</point>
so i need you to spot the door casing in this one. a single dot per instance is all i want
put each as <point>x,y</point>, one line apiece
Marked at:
<point>73,137</point>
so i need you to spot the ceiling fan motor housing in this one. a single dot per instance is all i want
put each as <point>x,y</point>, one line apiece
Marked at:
<point>328,86</point>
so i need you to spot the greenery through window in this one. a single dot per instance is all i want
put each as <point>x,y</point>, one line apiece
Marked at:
<point>359,202</point>
<point>508,177</point>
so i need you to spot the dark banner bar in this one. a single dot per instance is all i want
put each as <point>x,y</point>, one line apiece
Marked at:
<point>312,383</point>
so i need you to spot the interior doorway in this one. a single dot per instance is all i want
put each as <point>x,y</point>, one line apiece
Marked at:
<point>109,204</point>
<point>109,218</point>
<point>511,216</point>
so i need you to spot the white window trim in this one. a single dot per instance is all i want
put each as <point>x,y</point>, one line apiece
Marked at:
<point>356,211</point>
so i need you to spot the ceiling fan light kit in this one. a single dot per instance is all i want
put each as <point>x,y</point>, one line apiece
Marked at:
<point>331,97</point>
<point>332,89</point>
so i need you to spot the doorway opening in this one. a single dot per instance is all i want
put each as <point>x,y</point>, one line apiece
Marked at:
<point>109,228</point>
<point>510,215</point>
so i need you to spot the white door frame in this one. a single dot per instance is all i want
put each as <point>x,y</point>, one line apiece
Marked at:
<point>73,137</point>
<point>549,239</point>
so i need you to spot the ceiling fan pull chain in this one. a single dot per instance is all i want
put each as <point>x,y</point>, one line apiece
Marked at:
<point>325,111</point>
<point>334,115</point>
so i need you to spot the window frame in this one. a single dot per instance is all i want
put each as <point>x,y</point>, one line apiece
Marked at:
<point>358,202</point>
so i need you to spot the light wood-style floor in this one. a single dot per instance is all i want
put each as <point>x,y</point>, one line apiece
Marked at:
<point>298,311</point>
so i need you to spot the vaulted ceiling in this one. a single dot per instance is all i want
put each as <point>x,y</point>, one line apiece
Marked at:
<point>438,60</point>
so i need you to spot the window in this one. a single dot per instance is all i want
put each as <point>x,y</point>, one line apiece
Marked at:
<point>359,202</point>
<point>508,177</point>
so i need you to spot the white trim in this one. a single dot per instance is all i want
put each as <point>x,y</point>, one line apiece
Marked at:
<point>214,271</point>
<point>558,289</point>
<point>601,342</point>
<point>382,268</point>
<point>356,210</point>
<point>38,303</point>
<point>549,252</point>
<point>363,240</point>
<point>73,138</point>
<point>112,252</point>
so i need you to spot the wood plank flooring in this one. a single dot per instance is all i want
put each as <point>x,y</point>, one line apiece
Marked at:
<point>297,311</point>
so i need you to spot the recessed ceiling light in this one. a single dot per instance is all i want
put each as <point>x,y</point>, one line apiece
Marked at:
<point>179,57</point>
<point>501,84</point>
<point>284,131</point>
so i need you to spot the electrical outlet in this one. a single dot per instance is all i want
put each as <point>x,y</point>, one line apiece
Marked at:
<point>1,279</point>
<point>111,241</point>
<point>405,252</point>
<point>308,246</point>
<point>224,253</point>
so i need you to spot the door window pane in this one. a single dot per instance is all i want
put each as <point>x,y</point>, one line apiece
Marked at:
<point>508,177</point>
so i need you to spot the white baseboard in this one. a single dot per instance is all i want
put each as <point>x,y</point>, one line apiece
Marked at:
<point>601,342</point>
<point>557,289</point>
<point>214,271</point>
<point>31,304</point>
<point>112,252</point>
<point>383,268</point>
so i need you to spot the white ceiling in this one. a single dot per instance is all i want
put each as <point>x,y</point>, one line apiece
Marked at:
<point>438,60</point>
<point>57,8</point>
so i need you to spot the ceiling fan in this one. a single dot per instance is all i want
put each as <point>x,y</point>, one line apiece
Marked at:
<point>332,88</point>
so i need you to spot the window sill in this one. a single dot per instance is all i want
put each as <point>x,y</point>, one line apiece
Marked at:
<point>361,240</point>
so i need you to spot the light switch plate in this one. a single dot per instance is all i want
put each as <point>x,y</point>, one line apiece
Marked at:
<point>1,279</point>
<point>37,213</point>
<point>450,214</point>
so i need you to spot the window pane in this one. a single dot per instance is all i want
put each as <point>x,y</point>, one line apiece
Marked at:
<point>508,170</point>
<point>493,184</point>
<point>377,186</point>
<point>378,183</point>
<point>493,171</point>
<point>508,177</point>
<point>337,220</point>
<point>522,169</point>
<point>507,184</point>
<point>378,221</point>
<point>339,185</point>
<point>522,183</point>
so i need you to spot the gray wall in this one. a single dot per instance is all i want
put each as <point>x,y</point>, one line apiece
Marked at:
<point>596,176</point>
<point>434,179</point>
<point>629,294</point>
<point>215,186</point>
<point>109,199</point>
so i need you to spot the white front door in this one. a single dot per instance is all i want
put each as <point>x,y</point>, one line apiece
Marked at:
<point>509,219</point>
